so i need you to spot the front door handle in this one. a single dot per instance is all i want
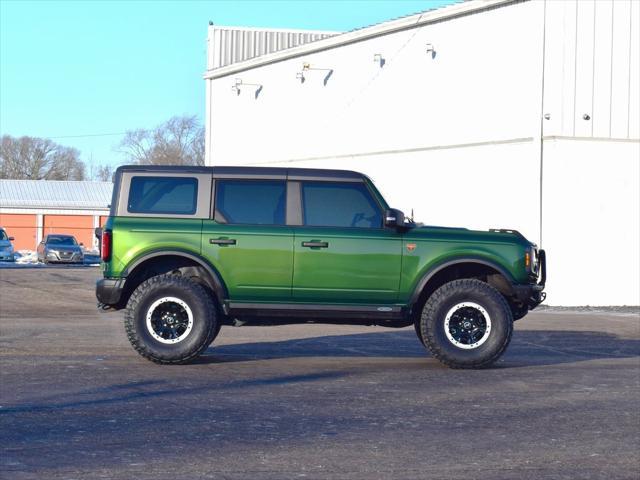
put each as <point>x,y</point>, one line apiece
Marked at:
<point>315,244</point>
<point>222,241</point>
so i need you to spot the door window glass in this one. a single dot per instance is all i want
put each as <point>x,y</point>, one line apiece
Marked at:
<point>344,204</point>
<point>255,202</point>
<point>165,195</point>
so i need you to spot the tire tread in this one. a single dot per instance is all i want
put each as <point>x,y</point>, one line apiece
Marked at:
<point>429,310</point>
<point>138,295</point>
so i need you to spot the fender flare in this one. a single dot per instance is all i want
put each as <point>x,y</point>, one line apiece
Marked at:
<point>216,282</point>
<point>415,295</point>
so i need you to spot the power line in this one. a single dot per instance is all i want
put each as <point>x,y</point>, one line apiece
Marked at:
<point>89,135</point>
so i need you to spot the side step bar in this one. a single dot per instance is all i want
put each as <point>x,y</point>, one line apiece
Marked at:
<point>307,310</point>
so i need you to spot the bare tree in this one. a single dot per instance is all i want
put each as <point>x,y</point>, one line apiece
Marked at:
<point>178,141</point>
<point>38,159</point>
<point>103,173</point>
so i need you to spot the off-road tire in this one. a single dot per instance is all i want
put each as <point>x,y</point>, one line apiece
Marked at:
<point>216,331</point>
<point>205,319</point>
<point>417,328</point>
<point>432,323</point>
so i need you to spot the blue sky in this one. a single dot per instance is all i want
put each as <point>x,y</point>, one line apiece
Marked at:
<point>72,69</point>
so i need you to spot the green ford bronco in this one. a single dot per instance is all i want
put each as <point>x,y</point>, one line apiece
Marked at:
<point>188,249</point>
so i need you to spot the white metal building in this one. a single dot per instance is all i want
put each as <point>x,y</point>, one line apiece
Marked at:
<point>497,113</point>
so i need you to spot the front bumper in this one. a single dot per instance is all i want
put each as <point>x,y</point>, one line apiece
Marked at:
<point>533,294</point>
<point>59,257</point>
<point>7,257</point>
<point>109,292</point>
<point>530,295</point>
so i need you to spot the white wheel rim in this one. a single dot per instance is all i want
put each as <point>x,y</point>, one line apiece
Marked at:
<point>163,327</point>
<point>457,329</point>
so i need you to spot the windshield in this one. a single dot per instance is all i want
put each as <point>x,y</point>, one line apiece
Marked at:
<point>60,240</point>
<point>3,235</point>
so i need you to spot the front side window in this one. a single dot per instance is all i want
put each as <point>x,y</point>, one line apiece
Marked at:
<point>253,202</point>
<point>343,204</point>
<point>163,195</point>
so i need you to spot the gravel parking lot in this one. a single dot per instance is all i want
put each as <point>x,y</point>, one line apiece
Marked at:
<point>307,401</point>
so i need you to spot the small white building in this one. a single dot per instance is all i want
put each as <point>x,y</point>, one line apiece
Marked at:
<point>496,113</point>
<point>32,209</point>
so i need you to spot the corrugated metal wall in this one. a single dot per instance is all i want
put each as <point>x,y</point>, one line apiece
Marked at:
<point>232,45</point>
<point>592,68</point>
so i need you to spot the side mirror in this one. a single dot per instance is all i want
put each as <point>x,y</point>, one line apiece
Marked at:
<point>81,244</point>
<point>11,239</point>
<point>393,218</point>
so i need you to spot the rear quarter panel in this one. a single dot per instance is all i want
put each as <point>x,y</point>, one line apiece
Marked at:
<point>134,237</point>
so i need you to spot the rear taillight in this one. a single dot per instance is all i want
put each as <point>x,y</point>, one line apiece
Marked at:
<point>105,246</point>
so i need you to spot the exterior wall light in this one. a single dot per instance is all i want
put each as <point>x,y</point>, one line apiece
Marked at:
<point>239,84</point>
<point>377,58</point>
<point>306,67</point>
<point>236,86</point>
<point>431,49</point>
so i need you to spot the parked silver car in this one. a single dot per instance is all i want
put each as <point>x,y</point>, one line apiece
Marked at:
<point>60,248</point>
<point>6,248</point>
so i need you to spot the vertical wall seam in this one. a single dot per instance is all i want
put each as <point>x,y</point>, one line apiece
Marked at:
<point>575,69</point>
<point>564,65</point>
<point>613,12</point>
<point>544,43</point>
<point>630,48</point>
<point>593,64</point>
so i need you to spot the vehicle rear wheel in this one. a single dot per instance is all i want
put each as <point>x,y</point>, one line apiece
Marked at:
<point>170,319</point>
<point>466,324</point>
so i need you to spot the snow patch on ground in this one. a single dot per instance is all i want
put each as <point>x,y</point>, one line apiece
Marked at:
<point>26,256</point>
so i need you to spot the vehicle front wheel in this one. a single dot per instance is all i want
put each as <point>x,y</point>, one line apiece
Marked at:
<point>466,324</point>
<point>416,327</point>
<point>170,319</point>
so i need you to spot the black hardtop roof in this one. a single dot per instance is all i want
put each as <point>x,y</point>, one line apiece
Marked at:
<point>252,172</point>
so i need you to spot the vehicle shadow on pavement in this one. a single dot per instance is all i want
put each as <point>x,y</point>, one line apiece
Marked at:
<point>149,390</point>
<point>527,348</point>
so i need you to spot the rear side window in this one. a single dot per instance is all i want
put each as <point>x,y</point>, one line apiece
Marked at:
<point>165,195</point>
<point>259,202</point>
<point>339,205</point>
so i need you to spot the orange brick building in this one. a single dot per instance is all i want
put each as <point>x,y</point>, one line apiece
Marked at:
<point>31,209</point>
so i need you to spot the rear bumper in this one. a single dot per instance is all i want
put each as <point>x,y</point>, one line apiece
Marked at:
<point>109,292</point>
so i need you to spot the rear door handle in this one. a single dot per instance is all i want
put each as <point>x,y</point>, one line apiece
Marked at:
<point>222,241</point>
<point>315,244</point>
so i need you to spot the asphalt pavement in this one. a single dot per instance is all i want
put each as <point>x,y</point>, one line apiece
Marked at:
<point>307,401</point>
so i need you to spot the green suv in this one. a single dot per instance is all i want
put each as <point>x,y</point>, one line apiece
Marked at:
<point>188,249</point>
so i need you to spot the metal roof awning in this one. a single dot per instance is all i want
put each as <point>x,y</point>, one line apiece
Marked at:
<point>320,43</point>
<point>54,194</point>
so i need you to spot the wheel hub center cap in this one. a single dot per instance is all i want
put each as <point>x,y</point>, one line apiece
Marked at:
<point>467,325</point>
<point>169,320</point>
